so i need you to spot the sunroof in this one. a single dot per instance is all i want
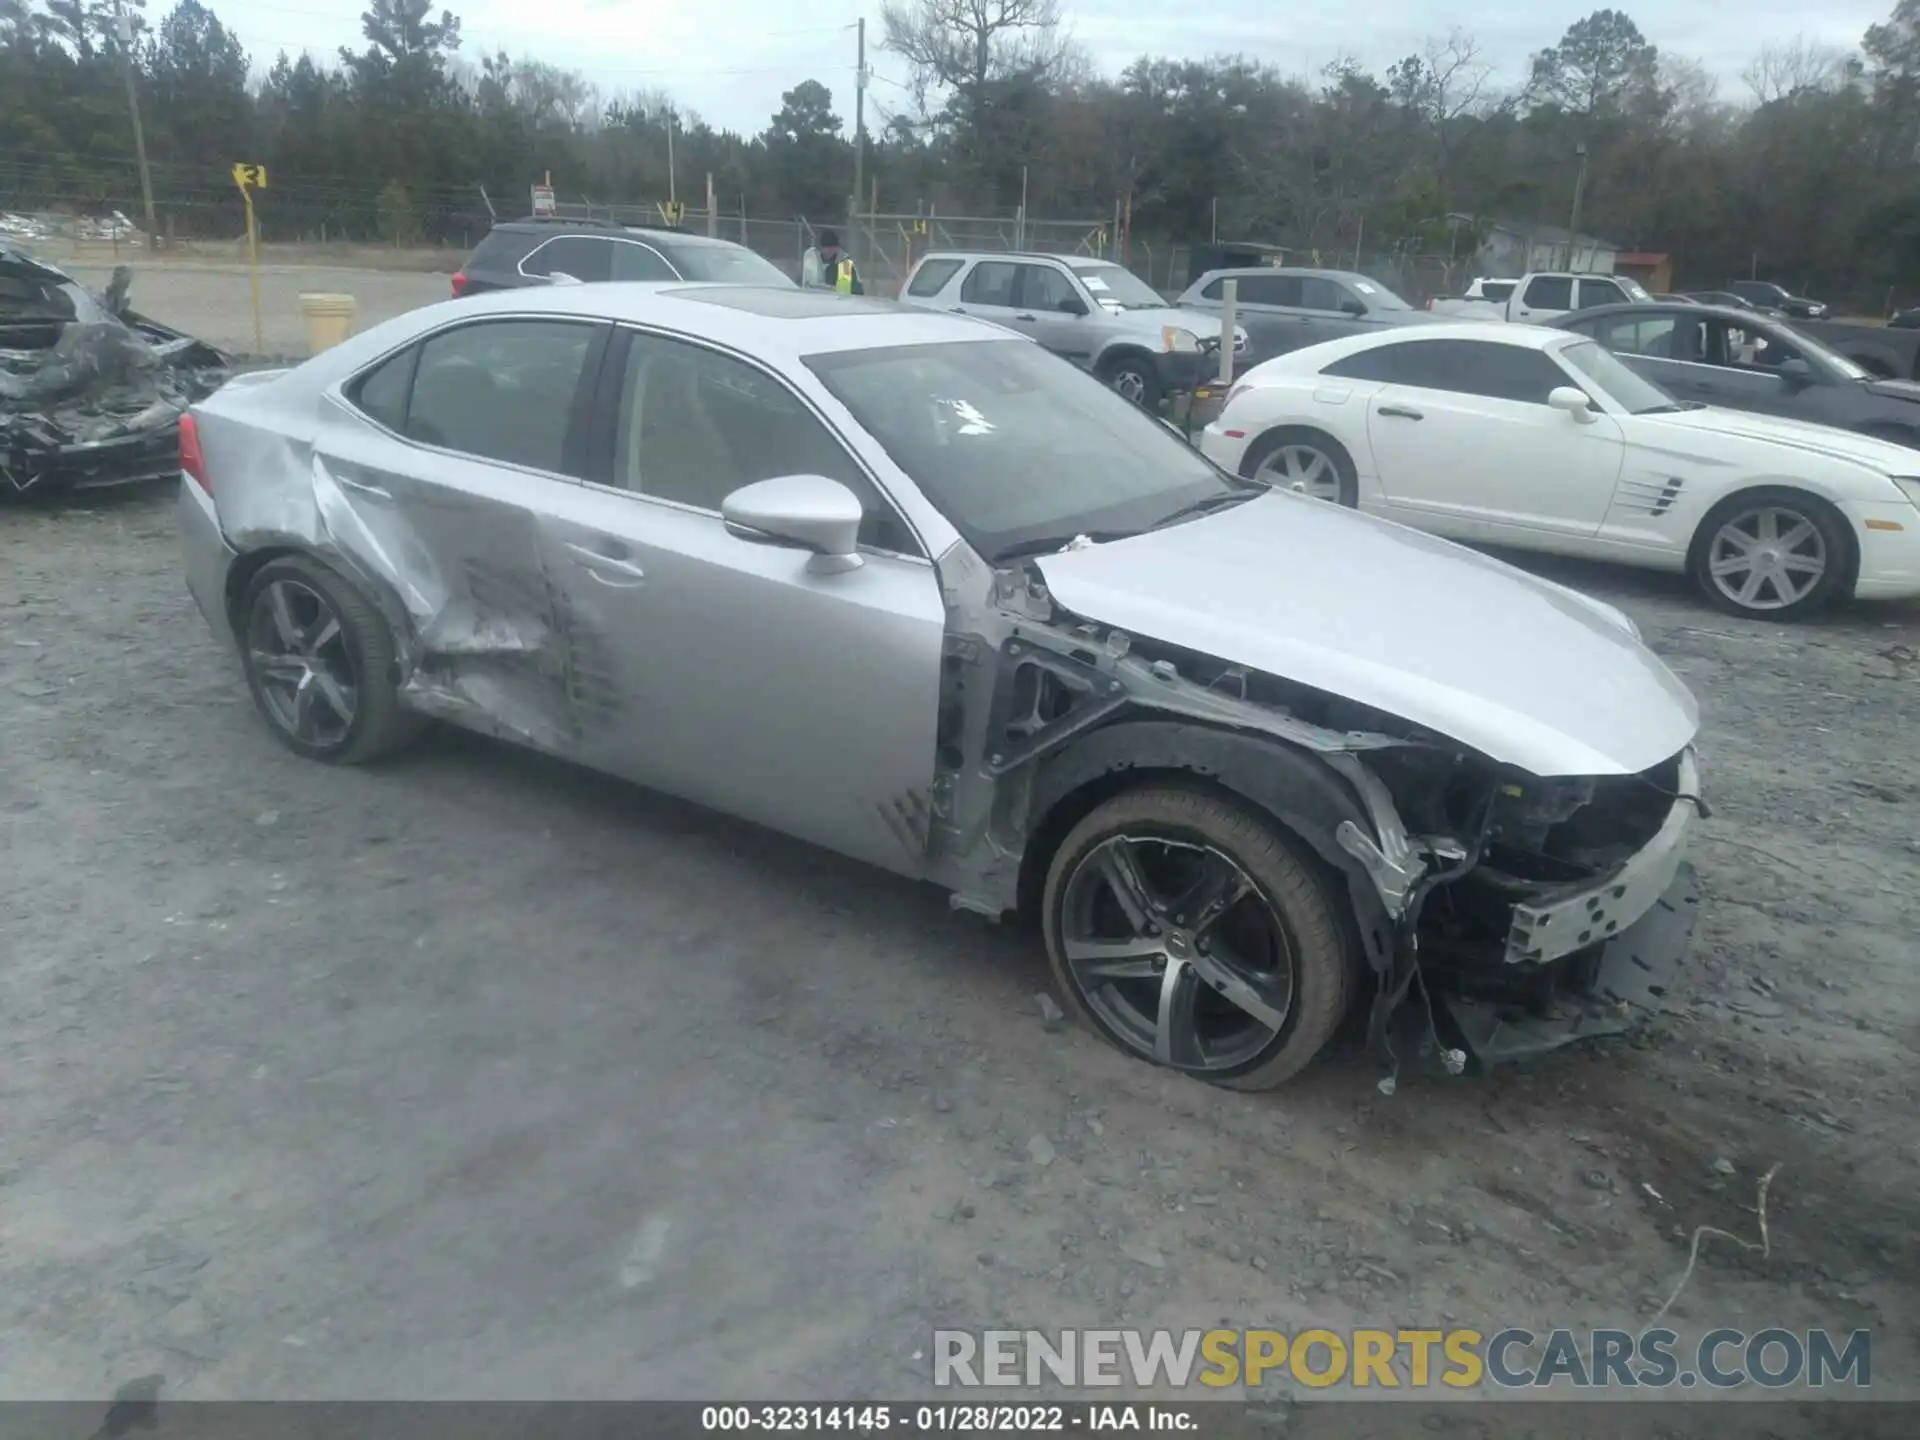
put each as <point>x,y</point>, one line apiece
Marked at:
<point>787,304</point>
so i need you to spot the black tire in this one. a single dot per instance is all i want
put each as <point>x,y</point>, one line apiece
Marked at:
<point>1287,893</point>
<point>1136,379</point>
<point>1300,436</point>
<point>1835,547</point>
<point>363,650</point>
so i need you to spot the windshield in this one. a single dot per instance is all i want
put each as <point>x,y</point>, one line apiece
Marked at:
<point>1632,392</point>
<point>1119,289</point>
<point>1020,450</point>
<point>729,263</point>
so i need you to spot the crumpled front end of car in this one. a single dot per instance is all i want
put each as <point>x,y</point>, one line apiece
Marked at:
<point>1530,912</point>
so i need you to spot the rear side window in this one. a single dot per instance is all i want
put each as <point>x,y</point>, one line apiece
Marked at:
<point>1496,289</point>
<point>991,283</point>
<point>501,390</point>
<point>932,277</point>
<point>638,262</point>
<point>584,257</point>
<point>1464,367</point>
<point>1550,292</point>
<point>501,249</point>
<point>382,392</point>
<point>1270,290</point>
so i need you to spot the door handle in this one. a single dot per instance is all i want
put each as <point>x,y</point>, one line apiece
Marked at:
<point>1399,412</point>
<point>1027,318</point>
<point>602,566</point>
<point>957,309</point>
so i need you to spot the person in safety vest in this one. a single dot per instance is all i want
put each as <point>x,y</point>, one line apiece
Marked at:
<point>827,267</point>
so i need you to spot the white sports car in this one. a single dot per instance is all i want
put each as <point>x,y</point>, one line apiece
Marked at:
<point>1524,436</point>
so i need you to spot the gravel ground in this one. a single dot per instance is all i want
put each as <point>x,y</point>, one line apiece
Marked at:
<point>477,1075</point>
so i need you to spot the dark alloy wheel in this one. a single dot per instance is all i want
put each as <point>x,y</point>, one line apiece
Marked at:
<point>1191,934</point>
<point>320,663</point>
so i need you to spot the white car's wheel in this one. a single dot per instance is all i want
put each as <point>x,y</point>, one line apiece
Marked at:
<point>1306,461</point>
<point>1772,554</point>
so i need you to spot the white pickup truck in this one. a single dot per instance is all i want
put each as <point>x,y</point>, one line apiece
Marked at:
<point>1539,297</point>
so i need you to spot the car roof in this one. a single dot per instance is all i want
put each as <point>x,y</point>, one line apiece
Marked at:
<point>1079,262</point>
<point>1521,337</point>
<point>541,225</point>
<point>780,325</point>
<point>1239,271</point>
<point>1681,308</point>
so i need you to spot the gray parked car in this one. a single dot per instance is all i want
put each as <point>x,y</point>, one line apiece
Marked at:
<point>1289,309</point>
<point>908,587</point>
<point>1743,360</point>
<point>1097,314</point>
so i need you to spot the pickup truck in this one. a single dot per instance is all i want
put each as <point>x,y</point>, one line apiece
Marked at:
<point>1539,297</point>
<point>1888,352</point>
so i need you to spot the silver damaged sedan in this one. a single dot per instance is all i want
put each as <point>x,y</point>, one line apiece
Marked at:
<point>913,589</point>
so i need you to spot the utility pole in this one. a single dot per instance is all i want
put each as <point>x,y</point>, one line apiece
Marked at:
<point>125,28</point>
<point>859,135</point>
<point>672,193</point>
<point>1573,224</point>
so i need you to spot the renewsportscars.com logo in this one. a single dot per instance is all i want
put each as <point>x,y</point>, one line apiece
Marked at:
<point>1384,1360</point>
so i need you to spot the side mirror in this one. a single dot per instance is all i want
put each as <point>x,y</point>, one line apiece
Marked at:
<point>1073,305</point>
<point>803,512</point>
<point>1573,401</point>
<point>1353,308</point>
<point>1795,372</point>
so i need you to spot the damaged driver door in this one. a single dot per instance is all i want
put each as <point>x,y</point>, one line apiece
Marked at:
<point>732,673</point>
<point>433,475</point>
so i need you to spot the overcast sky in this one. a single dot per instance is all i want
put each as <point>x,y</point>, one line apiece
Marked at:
<point>715,58</point>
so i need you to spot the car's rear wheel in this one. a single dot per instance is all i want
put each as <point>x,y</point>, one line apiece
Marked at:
<point>1771,554</point>
<point>1306,461</point>
<point>1192,933</point>
<point>319,660</point>
<point>1134,379</point>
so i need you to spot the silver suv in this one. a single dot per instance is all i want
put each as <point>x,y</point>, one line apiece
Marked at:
<point>1097,314</point>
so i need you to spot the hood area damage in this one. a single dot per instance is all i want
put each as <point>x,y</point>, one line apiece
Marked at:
<point>90,393</point>
<point>1503,914</point>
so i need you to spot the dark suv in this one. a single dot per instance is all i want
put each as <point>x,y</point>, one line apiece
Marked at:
<point>517,253</point>
<point>1768,296</point>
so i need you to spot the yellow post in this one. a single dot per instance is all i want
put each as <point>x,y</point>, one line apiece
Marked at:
<point>246,177</point>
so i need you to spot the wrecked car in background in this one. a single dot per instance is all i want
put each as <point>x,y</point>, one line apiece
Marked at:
<point>906,586</point>
<point>90,392</point>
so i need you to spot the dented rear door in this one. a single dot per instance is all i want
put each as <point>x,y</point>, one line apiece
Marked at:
<point>443,498</point>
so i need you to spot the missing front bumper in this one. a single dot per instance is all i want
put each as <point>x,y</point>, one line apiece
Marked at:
<point>1635,969</point>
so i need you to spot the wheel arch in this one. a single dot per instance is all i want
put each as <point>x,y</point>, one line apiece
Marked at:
<point>1118,350</point>
<point>1288,786</point>
<point>1282,430</point>
<point>251,562</point>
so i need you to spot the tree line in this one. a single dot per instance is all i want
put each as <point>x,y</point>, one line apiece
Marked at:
<point>1808,171</point>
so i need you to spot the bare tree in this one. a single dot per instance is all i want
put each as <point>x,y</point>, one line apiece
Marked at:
<point>1800,64</point>
<point>964,46</point>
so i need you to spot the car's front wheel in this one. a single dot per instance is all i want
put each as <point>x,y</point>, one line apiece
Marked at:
<point>1772,554</point>
<point>1135,380</point>
<point>1305,461</point>
<point>319,660</point>
<point>1193,933</point>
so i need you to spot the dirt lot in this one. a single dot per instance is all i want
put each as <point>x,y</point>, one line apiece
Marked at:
<point>479,1075</point>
